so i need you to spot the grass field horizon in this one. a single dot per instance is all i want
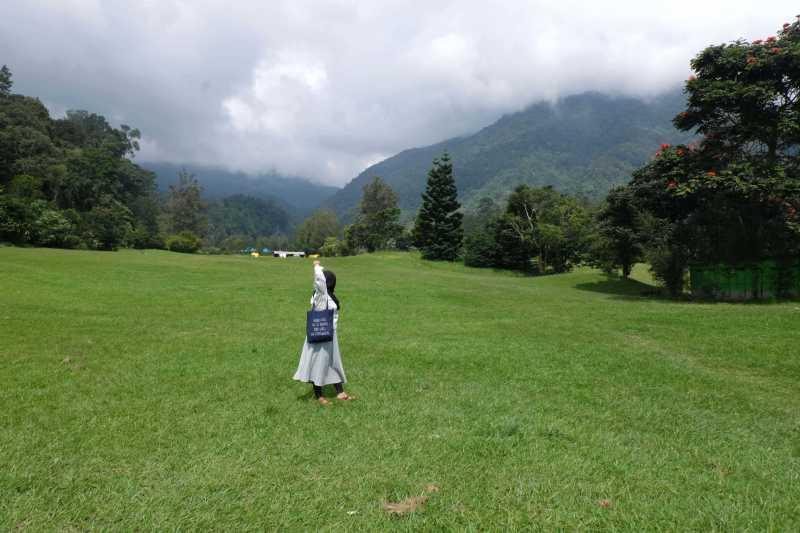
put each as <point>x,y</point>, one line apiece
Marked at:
<point>147,390</point>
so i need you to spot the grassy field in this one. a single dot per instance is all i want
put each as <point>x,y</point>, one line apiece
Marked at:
<point>153,391</point>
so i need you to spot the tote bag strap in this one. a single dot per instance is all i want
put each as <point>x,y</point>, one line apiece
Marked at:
<point>327,301</point>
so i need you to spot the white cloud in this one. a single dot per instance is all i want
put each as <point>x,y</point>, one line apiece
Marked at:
<point>322,88</point>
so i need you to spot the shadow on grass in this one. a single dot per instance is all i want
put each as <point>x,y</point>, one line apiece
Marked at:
<point>328,392</point>
<point>630,289</point>
<point>625,289</point>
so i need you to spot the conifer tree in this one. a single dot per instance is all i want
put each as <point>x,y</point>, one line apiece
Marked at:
<point>5,81</point>
<point>438,231</point>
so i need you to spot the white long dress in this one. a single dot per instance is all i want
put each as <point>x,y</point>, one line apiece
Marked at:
<point>321,362</point>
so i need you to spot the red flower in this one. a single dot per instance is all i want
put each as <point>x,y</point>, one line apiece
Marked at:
<point>680,152</point>
<point>771,39</point>
<point>776,50</point>
<point>751,60</point>
<point>671,184</point>
<point>791,211</point>
<point>758,41</point>
<point>711,173</point>
<point>692,78</point>
<point>665,146</point>
<point>786,25</point>
<point>658,153</point>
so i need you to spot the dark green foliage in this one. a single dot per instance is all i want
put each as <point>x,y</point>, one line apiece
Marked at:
<point>481,248</point>
<point>330,248</point>
<point>582,144</point>
<point>69,182</point>
<point>733,196</point>
<point>542,230</point>
<point>314,232</point>
<point>184,242</point>
<point>377,226</point>
<point>17,218</point>
<point>480,230</point>
<point>297,196</point>
<point>26,146</point>
<point>405,240</point>
<point>5,81</point>
<point>350,244</point>
<point>107,224</point>
<point>617,243</point>
<point>185,208</point>
<point>438,233</point>
<point>89,130</point>
<point>246,218</point>
<point>53,228</point>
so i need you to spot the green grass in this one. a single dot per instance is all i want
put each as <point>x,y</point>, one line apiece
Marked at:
<point>153,391</point>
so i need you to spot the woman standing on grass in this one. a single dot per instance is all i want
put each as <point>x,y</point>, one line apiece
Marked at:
<point>321,363</point>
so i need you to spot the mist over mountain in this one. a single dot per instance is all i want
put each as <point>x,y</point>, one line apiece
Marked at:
<point>582,144</point>
<point>299,195</point>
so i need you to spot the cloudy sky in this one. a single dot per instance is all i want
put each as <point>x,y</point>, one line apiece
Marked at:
<point>324,88</point>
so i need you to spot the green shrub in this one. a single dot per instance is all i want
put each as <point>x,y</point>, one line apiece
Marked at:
<point>184,242</point>
<point>25,186</point>
<point>480,248</point>
<point>52,228</point>
<point>108,224</point>
<point>140,238</point>
<point>331,247</point>
<point>17,217</point>
<point>669,263</point>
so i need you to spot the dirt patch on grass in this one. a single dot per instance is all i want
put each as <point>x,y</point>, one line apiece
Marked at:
<point>412,503</point>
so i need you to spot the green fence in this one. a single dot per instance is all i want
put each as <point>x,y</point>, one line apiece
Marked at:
<point>764,280</point>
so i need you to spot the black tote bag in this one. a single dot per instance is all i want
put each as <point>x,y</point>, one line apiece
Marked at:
<point>319,325</point>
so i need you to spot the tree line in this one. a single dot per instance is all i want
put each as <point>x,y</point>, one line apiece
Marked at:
<point>730,197</point>
<point>71,183</point>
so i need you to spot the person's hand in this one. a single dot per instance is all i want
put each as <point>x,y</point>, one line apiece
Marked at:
<point>316,263</point>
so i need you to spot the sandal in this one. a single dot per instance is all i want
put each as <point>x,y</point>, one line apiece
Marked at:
<point>324,401</point>
<point>345,397</point>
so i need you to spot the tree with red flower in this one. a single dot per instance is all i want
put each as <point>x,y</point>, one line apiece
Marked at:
<point>713,201</point>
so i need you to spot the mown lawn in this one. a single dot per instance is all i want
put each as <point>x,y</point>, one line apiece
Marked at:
<point>153,391</point>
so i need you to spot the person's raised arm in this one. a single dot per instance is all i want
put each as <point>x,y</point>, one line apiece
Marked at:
<point>319,279</point>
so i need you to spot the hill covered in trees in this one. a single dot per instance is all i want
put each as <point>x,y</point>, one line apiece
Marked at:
<point>297,194</point>
<point>69,182</point>
<point>582,144</point>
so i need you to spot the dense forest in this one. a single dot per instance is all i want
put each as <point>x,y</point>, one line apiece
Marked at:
<point>582,144</point>
<point>297,195</point>
<point>71,182</point>
<point>540,191</point>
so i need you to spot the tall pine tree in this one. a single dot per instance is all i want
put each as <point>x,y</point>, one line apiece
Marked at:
<point>438,231</point>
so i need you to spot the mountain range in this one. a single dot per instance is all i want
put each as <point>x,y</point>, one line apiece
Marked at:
<point>299,196</point>
<point>582,144</point>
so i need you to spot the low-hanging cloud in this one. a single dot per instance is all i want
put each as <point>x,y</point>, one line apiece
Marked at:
<point>324,88</point>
